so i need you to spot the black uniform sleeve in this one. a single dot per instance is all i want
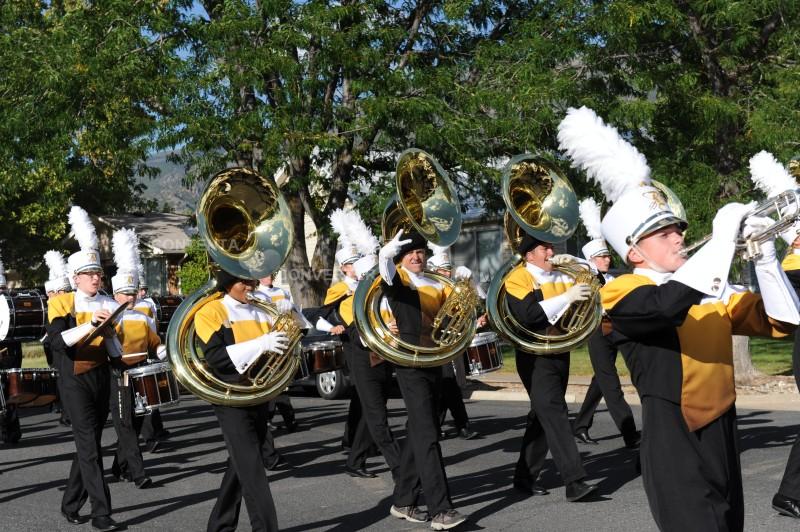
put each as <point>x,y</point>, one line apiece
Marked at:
<point>794,278</point>
<point>650,309</point>
<point>216,355</point>
<point>527,311</point>
<point>54,330</point>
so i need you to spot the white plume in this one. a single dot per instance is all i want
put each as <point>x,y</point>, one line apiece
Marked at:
<point>339,221</point>
<point>126,250</point>
<point>438,250</point>
<point>599,149</point>
<point>590,215</point>
<point>82,228</point>
<point>56,264</point>
<point>769,175</point>
<point>360,234</point>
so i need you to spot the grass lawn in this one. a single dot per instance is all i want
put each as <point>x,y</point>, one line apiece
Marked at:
<point>772,357</point>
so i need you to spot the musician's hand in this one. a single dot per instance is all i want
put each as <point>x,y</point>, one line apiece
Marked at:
<point>561,259</point>
<point>339,329</point>
<point>482,320</point>
<point>728,221</point>
<point>99,315</point>
<point>579,292</point>
<point>392,248</point>
<point>462,273</point>
<point>393,328</point>
<point>276,342</point>
<point>755,224</point>
<point>284,306</point>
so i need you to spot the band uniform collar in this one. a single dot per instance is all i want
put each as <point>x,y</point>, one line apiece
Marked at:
<point>83,296</point>
<point>657,277</point>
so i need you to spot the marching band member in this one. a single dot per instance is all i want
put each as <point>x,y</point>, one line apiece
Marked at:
<point>370,375</point>
<point>414,301</point>
<point>453,373</point>
<point>152,430</point>
<point>602,353</point>
<point>772,178</point>
<point>57,283</point>
<point>136,341</point>
<point>537,296</point>
<point>83,374</point>
<point>10,357</point>
<point>233,335</point>
<point>672,319</point>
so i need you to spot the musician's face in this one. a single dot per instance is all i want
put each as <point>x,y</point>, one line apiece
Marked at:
<point>540,256</point>
<point>89,282</point>
<point>414,260</point>
<point>266,281</point>
<point>348,270</point>
<point>603,263</point>
<point>660,250</point>
<point>143,292</point>
<point>125,299</point>
<point>240,289</point>
<point>444,271</point>
<point>796,243</point>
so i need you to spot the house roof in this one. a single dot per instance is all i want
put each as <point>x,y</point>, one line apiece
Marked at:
<point>159,232</point>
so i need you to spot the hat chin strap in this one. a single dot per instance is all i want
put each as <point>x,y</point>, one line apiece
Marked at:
<point>650,262</point>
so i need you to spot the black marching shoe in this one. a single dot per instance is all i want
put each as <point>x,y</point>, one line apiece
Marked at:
<point>466,433</point>
<point>632,441</point>
<point>583,437</point>
<point>360,472</point>
<point>409,513</point>
<point>529,488</point>
<point>786,505</point>
<point>578,490</point>
<point>143,482</point>
<point>105,523</point>
<point>74,518</point>
<point>151,445</point>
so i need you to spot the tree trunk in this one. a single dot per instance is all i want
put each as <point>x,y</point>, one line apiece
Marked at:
<point>743,367</point>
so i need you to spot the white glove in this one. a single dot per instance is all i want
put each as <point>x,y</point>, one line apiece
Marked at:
<point>161,352</point>
<point>462,273</point>
<point>728,221</point>
<point>392,248</point>
<point>757,224</point>
<point>97,318</point>
<point>579,292</point>
<point>276,341</point>
<point>284,306</point>
<point>323,325</point>
<point>563,258</point>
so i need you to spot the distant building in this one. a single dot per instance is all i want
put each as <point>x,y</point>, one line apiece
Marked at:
<point>163,238</point>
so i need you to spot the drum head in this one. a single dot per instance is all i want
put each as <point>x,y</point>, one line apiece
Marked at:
<point>484,338</point>
<point>5,316</point>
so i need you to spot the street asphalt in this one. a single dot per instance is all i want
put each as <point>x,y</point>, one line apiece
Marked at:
<point>315,494</point>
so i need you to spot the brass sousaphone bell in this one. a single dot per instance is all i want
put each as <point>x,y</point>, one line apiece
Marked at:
<point>246,226</point>
<point>542,203</point>
<point>426,201</point>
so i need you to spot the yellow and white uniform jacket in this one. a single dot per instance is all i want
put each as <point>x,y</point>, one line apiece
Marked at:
<point>414,301</point>
<point>229,331</point>
<point>136,337</point>
<point>535,297</point>
<point>70,317</point>
<point>147,307</point>
<point>791,265</point>
<point>677,341</point>
<point>337,309</point>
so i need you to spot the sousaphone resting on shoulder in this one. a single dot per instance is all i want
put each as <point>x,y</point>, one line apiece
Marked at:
<point>542,203</point>
<point>426,201</point>
<point>246,226</point>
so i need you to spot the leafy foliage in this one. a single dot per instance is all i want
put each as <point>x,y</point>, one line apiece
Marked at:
<point>194,271</point>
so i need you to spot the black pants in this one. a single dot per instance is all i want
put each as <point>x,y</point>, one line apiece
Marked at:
<point>421,464</point>
<point>128,458</point>
<point>372,386</point>
<point>10,357</point>
<point>152,426</point>
<point>605,384</point>
<point>85,397</point>
<point>545,379</point>
<point>450,398</point>
<point>244,430</point>
<point>283,403</point>
<point>790,484</point>
<point>693,480</point>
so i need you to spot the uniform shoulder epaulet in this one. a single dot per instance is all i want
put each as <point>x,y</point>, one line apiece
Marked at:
<point>791,262</point>
<point>336,292</point>
<point>210,318</point>
<point>613,292</point>
<point>60,306</point>
<point>519,283</point>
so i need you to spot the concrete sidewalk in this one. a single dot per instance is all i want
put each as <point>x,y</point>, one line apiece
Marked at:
<point>769,392</point>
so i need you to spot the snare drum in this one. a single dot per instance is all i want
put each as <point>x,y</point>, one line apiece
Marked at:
<point>154,386</point>
<point>165,308</point>
<point>23,315</point>
<point>321,357</point>
<point>484,354</point>
<point>28,387</point>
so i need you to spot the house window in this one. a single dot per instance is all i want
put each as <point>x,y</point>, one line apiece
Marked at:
<point>480,250</point>
<point>155,273</point>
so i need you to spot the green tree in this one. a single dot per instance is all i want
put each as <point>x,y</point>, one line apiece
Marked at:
<point>194,272</point>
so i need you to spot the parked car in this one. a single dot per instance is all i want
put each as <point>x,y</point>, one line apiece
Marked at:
<point>330,384</point>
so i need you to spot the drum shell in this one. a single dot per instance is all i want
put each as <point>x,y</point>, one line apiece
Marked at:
<point>23,315</point>
<point>154,386</point>
<point>30,387</point>
<point>321,357</point>
<point>484,355</point>
<point>165,308</point>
